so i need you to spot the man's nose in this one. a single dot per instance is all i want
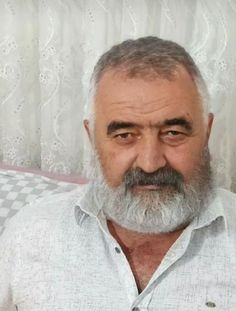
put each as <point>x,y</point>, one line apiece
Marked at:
<point>151,155</point>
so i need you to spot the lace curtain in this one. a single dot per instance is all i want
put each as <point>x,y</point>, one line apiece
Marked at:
<point>48,50</point>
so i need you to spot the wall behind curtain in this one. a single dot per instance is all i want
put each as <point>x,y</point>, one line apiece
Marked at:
<point>48,50</point>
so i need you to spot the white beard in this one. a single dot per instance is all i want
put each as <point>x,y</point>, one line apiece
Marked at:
<point>158,211</point>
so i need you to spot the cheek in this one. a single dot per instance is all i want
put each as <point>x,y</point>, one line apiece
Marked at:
<point>114,166</point>
<point>185,161</point>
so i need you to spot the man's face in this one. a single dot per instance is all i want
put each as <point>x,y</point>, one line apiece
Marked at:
<point>147,125</point>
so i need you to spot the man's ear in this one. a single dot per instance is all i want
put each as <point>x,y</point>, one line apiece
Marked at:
<point>209,124</point>
<point>87,129</point>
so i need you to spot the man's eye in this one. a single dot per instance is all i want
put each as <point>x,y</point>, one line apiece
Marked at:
<point>125,138</point>
<point>173,133</point>
<point>123,135</point>
<point>173,137</point>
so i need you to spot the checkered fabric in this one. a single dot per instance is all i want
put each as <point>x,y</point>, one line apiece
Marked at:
<point>19,188</point>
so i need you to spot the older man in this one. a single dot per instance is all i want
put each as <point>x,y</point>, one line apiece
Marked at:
<point>150,231</point>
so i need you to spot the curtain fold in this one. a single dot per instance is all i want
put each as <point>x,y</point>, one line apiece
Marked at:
<point>47,53</point>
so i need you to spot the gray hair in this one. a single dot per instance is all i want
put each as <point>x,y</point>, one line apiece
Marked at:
<point>149,57</point>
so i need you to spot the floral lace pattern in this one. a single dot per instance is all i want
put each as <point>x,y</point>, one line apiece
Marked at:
<point>48,50</point>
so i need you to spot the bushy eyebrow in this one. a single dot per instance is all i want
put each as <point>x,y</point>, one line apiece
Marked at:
<point>179,121</point>
<point>118,125</point>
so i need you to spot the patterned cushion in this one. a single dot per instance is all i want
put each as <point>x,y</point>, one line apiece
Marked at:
<point>19,188</point>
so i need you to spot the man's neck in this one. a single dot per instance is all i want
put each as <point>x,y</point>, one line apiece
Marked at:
<point>132,239</point>
<point>144,252</point>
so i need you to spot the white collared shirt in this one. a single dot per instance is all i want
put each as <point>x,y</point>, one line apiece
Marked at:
<point>58,255</point>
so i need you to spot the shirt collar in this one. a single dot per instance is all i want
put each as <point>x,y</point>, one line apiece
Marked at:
<point>210,213</point>
<point>87,205</point>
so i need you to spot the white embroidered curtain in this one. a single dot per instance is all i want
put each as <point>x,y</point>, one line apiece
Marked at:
<point>48,50</point>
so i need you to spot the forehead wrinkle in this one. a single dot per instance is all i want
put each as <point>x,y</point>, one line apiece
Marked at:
<point>131,113</point>
<point>172,118</point>
<point>142,107</point>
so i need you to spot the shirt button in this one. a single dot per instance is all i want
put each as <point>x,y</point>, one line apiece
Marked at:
<point>210,304</point>
<point>117,250</point>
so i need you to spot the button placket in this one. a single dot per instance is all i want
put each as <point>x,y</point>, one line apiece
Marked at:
<point>125,273</point>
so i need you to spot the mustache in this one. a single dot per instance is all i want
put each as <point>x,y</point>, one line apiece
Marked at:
<point>163,177</point>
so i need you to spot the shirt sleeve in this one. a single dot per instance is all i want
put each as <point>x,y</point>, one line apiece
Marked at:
<point>6,271</point>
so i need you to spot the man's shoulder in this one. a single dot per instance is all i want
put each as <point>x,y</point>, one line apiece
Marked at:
<point>46,213</point>
<point>227,200</point>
